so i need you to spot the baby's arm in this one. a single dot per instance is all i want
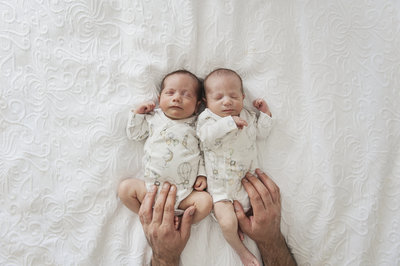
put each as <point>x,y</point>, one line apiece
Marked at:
<point>201,183</point>
<point>138,128</point>
<point>262,106</point>
<point>240,122</point>
<point>210,130</point>
<point>264,121</point>
<point>145,108</point>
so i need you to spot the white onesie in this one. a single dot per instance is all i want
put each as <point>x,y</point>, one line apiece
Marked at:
<point>229,152</point>
<point>171,150</point>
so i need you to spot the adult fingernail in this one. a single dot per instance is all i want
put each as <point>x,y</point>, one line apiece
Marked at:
<point>153,188</point>
<point>245,180</point>
<point>172,188</point>
<point>191,212</point>
<point>165,186</point>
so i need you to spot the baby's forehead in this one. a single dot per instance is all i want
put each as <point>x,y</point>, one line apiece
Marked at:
<point>191,83</point>
<point>224,75</point>
<point>222,78</point>
<point>180,76</point>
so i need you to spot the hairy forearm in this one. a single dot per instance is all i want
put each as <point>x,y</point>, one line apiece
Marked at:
<point>156,261</point>
<point>276,253</point>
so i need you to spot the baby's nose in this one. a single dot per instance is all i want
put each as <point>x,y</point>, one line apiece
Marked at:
<point>227,101</point>
<point>176,97</point>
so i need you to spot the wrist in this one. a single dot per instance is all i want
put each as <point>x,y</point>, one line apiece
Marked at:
<point>266,112</point>
<point>139,113</point>
<point>157,261</point>
<point>276,252</point>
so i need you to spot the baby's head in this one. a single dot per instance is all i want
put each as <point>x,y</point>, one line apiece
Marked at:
<point>180,95</point>
<point>224,92</point>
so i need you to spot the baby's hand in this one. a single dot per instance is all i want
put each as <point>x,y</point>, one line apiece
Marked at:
<point>145,108</point>
<point>262,106</point>
<point>240,123</point>
<point>201,183</point>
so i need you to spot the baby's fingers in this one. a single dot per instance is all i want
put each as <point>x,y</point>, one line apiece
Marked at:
<point>149,107</point>
<point>199,185</point>
<point>202,185</point>
<point>258,103</point>
<point>242,123</point>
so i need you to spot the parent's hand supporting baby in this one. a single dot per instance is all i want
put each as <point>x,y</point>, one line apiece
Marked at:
<point>264,225</point>
<point>159,224</point>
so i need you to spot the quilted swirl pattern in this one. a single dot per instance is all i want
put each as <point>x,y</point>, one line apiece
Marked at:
<point>70,70</point>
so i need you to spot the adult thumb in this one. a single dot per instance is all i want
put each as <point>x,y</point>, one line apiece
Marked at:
<point>187,221</point>
<point>243,220</point>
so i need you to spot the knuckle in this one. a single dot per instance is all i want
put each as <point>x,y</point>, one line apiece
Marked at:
<point>276,213</point>
<point>257,198</point>
<point>240,216</point>
<point>265,194</point>
<point>158,208</point>
<point>272,190</point>
<point>169,208</point>
<point>163,232</point>
<point>261,219</point>
<point>141,219</point>
<point>142,216</point>
<point>153,232</point>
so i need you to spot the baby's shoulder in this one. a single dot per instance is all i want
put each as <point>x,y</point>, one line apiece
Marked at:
<point>203,114</point>
<point>207,114</point>
<point>248,114</point>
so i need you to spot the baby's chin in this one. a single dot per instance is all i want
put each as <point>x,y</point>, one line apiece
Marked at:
<point>177,116</point>
<point>228,113</point>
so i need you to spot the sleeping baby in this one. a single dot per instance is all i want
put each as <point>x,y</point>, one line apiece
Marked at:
<point>171,149</point>
<point>228,134</point>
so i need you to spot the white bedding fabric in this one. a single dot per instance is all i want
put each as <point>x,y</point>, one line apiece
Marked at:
<point>70,71</point>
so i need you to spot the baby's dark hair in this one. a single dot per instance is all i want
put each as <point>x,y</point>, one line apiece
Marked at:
<point>186,72</point>
<point>221,72</point>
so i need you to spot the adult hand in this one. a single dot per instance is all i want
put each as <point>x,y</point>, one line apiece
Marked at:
<point>263,226</point>
<point>159,224</point>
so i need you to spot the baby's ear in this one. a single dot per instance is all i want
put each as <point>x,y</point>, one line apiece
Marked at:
<point>198,104</point>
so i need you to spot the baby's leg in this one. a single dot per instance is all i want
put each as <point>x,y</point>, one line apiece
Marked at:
<point>131,192</point>
<point>202,201</point>
<point>227,220</point>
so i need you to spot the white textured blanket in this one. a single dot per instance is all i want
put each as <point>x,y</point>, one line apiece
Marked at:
<point>70,71</point>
